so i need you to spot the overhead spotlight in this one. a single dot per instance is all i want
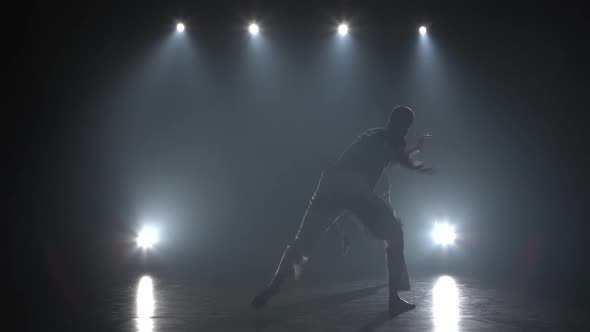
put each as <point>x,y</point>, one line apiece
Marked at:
<point>343,29</point>
<point>422,30</point>
<point>180,27</point>
<point>253,29</point>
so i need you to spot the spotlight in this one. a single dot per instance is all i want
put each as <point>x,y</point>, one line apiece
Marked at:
<point>180,27</point>
<point>343,29</point>
<point>422,30</point>
<point>146,238</point>
<point>444,234</point>
<point>253,28</point>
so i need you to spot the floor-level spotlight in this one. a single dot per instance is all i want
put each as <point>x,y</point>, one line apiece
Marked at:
<point>444,234</point>
<point>146,238</point>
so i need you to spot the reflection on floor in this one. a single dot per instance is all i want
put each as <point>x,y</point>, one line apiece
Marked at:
<point>145,305</point>
<point>445,304</point>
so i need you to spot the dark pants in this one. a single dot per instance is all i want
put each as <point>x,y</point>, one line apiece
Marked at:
<point>338,192</point>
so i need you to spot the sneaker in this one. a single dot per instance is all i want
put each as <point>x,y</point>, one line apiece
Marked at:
<point>398,306</point>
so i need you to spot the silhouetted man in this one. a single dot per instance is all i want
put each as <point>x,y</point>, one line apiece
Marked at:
<point>347,186</point>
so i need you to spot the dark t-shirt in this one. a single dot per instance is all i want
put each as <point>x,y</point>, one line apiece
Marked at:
<point>367,154</point>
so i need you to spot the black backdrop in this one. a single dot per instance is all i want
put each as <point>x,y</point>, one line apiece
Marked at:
<point>115,118</point>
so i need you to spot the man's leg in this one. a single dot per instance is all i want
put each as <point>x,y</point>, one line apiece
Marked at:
<point>290,265</point>
<point>344,240</point>
<point>338,226</point>
<point>316,218</point>
<point>384,225</point>
<point>396,271</point>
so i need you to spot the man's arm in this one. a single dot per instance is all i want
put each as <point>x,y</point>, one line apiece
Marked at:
<point>419,144</point>
<point>410,163</point>
<point>406,157</point>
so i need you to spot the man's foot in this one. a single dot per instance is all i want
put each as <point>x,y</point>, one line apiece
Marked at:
<point>398,306</point>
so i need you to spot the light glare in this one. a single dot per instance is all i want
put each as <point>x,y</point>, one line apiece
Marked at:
<point>444,234</point>
<point>253,28</point>
<point>180,27</point>
<point>343,29</point>
<point>422,30</point>
<point>146,238</point>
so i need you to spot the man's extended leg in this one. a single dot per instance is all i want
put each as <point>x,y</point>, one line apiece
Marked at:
<point>290,265</point>
<point>297,253</point>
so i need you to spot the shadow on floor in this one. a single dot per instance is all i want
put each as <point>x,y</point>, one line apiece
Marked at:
<point>282,314</point>
<point>381,319</point>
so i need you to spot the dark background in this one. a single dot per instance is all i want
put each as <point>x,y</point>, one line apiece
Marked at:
<point>219,139</point>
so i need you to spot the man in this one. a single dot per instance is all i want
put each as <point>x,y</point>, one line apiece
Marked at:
<point>348,186</point>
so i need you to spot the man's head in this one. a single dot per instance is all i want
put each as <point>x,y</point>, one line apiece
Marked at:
<point>400,120</point>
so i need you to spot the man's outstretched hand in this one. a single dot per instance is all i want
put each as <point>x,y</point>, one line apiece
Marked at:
<point>407,158</point>
<point>418,146</point>
<point>423,140</point>
<point>420,143</point>
<point>426,170</point>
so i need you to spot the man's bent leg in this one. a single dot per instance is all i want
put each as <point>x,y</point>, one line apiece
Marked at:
<point>394,253</point>
<point>396,273</point>
<point>338,226</point>
<point>384,225</point>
